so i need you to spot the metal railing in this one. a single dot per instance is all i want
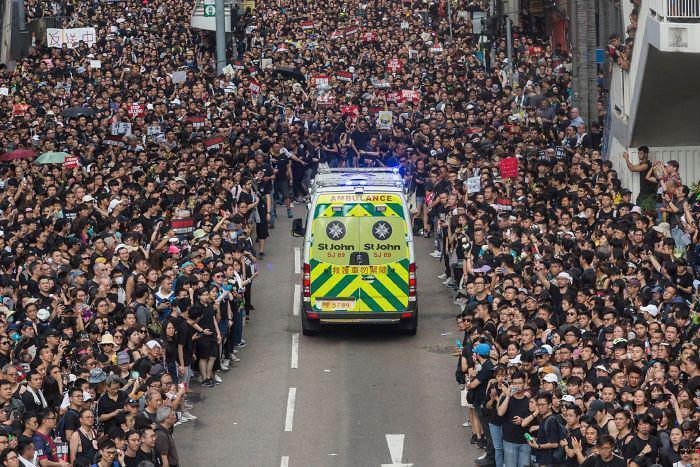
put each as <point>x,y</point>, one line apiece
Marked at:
<point>677,10</point>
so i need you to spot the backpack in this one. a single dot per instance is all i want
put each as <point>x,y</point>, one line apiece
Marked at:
<point>558,454</point>
<point>61,426</point>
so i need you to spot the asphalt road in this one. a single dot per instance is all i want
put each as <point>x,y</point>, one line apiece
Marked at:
<point>350,388</point>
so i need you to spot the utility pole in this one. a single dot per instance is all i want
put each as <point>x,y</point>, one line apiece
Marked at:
<point>449,17</point>
<point>509,44</point>
<point>220,37</point>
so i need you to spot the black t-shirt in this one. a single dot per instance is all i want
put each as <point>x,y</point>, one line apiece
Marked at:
<point>280,162</point>
<point>484,376</point>
<point>184,338</point>
<point>636,445</point>
<point>597,461</point>
<point>152,457</point>
<point>516,408</point>
<point>106,405</point>
<point>71,422</point>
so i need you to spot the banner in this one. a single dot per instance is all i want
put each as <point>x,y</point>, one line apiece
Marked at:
<point>509,167</point>
<point>307,25</point>
<point>254,87</point>
<point>380,83</point>
<point>70,37</point>
<point>436,48</point>
<point>249,5</point>
<point>114,140</point>
<point>325,100</point>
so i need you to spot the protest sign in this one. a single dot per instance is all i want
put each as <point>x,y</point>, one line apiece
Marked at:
<point>94,64</point>
<point>228,70</point>
<point>72,37</point>
<point>411,95</point>
<point>254,87</point>
<point>179,76</point>
<point>474,184</point>
<point>71,162</point>
<point>385,120</point>
<point>120,128</point>
<point>307,25</point>
<point>197,122</point>
<point>509,167</point>
<point>380,83</point>
<point>344,76</point>
<point>320,81</point>
<point>136,110</point>
<point>394,65</point>
<point>369,36</point>
<point>4,91</point>
<point>214,143</point>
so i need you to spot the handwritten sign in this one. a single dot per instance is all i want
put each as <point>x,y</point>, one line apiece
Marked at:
<point>71,38</point>
<point>474,184</point>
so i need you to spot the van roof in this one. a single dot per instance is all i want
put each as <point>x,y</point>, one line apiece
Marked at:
<point>347,179</point>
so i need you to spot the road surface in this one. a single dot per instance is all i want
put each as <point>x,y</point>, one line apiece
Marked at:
<point>331,400</point>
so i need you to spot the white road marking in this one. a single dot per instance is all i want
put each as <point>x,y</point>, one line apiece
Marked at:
<point>295,350</point>
<point>297,260</point>
<point>285,461</point>
<point>296,302</point>
<point>395,443</point>
<point>289,419</point>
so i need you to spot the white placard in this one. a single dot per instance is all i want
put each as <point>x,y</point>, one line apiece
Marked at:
<point>57,38</point>
<point>474,184</point>
<point>4,91</point>
<point>94,64</point>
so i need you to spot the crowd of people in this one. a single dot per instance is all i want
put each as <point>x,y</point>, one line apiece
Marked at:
<point>127,274</point>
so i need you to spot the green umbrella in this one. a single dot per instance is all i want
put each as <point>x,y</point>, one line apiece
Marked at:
<point>51,157</point>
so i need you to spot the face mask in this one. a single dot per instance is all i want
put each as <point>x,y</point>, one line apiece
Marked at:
<point>478,367</point>
<point>90,231</point>
<point>119,280</point>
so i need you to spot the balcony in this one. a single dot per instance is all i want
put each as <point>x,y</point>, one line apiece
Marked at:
<point>652,103</point>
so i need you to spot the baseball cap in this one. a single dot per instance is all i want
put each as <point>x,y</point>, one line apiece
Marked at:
<point>551,378</point>
<point>595,407</point>
<point>482,350</point>
<point>652,309</point>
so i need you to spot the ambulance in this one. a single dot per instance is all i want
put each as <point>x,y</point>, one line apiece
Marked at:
<point>359,263</point>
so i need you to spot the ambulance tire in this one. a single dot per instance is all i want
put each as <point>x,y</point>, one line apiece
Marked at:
<point>310,327</point>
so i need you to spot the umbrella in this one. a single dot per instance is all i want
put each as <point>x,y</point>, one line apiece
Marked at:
<point>18,154</point>
<point>291,73</point>
<point>52,157</point>
<point>78,111</point>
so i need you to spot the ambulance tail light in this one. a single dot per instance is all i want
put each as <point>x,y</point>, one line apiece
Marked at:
<point>306,282</point>
<point>412,280</point>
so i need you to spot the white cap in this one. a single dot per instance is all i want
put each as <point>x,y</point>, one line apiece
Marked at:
<point>113,204</point>
<point>565,275</point>
<point>652,309</point>
<point>551,378</point>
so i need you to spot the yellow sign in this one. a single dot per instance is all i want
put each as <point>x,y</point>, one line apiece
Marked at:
<point>249,5</point>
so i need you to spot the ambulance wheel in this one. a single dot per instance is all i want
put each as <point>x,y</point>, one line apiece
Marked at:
<point>310,327</point>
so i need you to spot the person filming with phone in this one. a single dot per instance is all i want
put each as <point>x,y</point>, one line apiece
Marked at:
<point>514,407</point>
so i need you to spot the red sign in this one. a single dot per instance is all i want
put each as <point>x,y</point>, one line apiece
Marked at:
<point>307,25</point>
<point>411,95</point>
<point>320,80</point>
<point>213,143</point>
<point>136,110</point>
<point>509,167</point>
<point>197,122</point>
<point>254,87</point>
<point>19,109</point>
<point>343,76</point>
<point>394,65</point>
<point>351,110</point>
<point>369,36</point>
<point>71,162</point>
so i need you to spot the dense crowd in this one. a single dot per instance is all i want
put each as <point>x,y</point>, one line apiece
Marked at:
<point>128,273</point>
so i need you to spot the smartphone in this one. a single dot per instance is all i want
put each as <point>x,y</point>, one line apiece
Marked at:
<point>528,437</point>
<point>134,375</point>
<point>513,390</point>
<point>459,344</point>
